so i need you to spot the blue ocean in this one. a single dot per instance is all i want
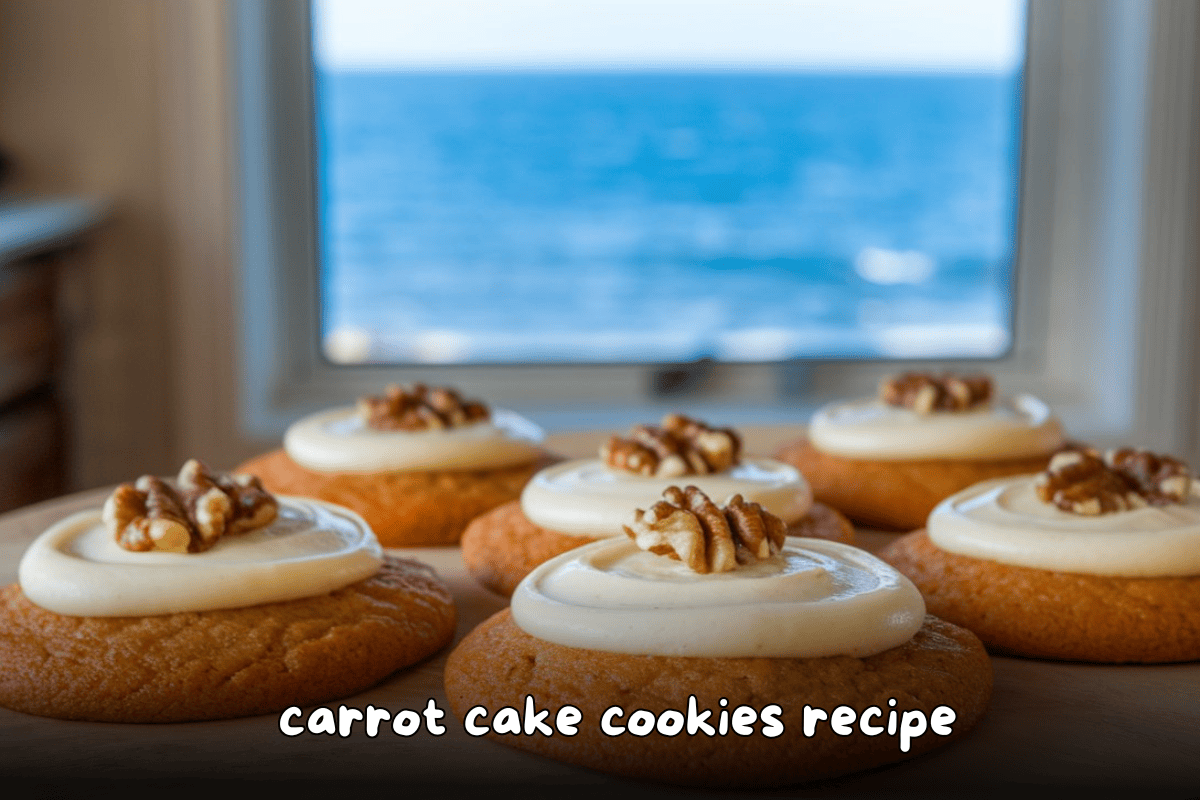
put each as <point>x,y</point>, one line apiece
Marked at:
<point>512,217</point>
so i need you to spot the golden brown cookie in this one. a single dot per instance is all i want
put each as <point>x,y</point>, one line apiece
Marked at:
<point>221,664</point>
<point>894,495</point>
<point>1059,615</point>
<point>502,546</point>
<point>498,664</point>
<point>405,509</point>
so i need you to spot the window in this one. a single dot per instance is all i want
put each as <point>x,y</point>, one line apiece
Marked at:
<point>508,181</point>
<point>1103,308</point>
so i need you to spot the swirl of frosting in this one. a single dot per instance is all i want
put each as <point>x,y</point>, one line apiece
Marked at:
<point>1004,520</point>
<point>76,568</point>
<point>813,599</point>
<point>586,498</point>
<point>1021,427</point>
<point>337,440</point>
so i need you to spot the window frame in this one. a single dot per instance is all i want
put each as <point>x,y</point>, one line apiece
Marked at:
<point>1105,294</point>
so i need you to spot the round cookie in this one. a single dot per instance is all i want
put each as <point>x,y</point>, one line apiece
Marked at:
<point>1056,615</point>
<point>894,495</point>
<point>405,509</point>
<point>502,546</point>
<point>221,664</point>
<point>498,665</point>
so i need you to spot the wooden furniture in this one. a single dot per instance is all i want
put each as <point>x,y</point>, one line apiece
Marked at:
<point>1109,730</point>
<point>36,238</point>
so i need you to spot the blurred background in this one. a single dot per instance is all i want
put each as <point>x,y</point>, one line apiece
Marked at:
<point>513,181</point>
<point>216,216</point>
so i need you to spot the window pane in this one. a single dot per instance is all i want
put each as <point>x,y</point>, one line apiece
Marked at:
<point>663,181</point>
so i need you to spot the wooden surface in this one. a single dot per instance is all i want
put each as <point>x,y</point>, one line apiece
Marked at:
<point>1052,729</point>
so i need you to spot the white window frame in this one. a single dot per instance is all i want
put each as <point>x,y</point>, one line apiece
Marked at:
<point>1107,289</point>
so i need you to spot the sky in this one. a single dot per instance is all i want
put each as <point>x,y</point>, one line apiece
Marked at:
<point>855,35</point>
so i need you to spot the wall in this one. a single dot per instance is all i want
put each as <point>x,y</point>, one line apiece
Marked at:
<point>127,100</point>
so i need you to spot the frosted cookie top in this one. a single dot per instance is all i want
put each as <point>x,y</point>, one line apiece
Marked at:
<point>779,598</point>
<point>77,568</point>
<point>1079,517</point>
<point>595,497</point>
<point>587,498</point>
<point>200,542</point>
<point>920,416</point>
<point>413,429</point>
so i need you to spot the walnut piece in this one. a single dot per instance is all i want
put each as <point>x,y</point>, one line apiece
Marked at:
<point>678,446</point>
<point>418,408</point>
<point>1161,480</point>
<point>1081,481</point>
<point>190,515</point>
<point>925,392</point>
<point>686,525</point>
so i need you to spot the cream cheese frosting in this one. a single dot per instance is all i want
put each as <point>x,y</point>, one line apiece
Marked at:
<point>815,598</point>
<point>337,440</point>
<point>586,498</point>
<point>1019,427</point>
<point>76,567</point>
<point>1004,520</point>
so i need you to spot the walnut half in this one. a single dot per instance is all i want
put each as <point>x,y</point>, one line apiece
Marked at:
<point>1162,480</point>
<point>678,446</point>
<point>688,526</point>
<point>1082,481</point>
<point>418,408</point>
<point>188,516</point>
<point>925,392</point>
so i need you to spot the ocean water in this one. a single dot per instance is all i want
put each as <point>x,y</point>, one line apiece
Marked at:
<point>512,217</point>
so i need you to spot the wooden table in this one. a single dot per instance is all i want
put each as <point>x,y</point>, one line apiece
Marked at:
<point>1052,728</point>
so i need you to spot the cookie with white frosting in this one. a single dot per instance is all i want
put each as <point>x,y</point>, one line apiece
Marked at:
<point>772,625</point>
<point>1091,560</point>
<point>192,600</point>
<point>417,463</point>
<point>581,501</point>
<point>887,461</point>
